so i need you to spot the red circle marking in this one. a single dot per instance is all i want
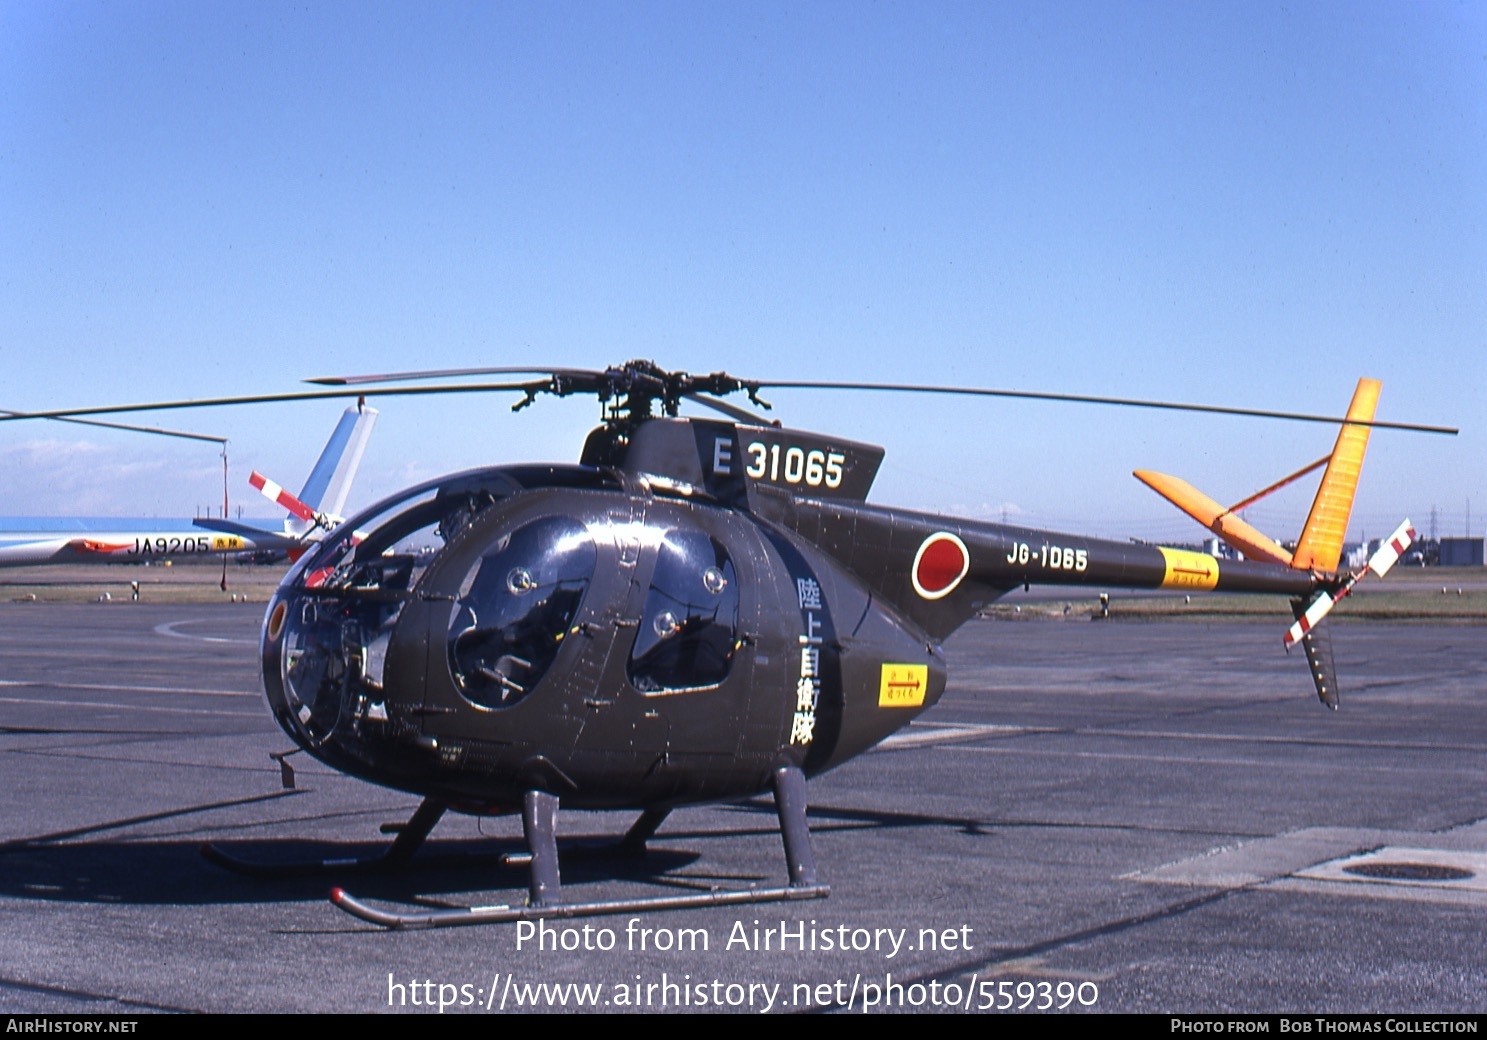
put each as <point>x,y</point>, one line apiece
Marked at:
<point>940,564</point>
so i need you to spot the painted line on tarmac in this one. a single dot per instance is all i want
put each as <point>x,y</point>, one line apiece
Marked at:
<point>168,628</point>
<point>1393,745</point>
<point>1294,765</point>
<point>922,734</point>
<point>106,705</point>
<point>49,684</point>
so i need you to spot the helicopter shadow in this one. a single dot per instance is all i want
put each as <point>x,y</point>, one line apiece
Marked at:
<point>174,872</point>
<point>825,819</point>
<point>73,867</point>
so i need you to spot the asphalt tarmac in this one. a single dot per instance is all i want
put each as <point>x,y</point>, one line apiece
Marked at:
<point>1103,816</point>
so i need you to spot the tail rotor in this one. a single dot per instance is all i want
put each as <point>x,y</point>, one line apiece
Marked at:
<point>1319,548</point>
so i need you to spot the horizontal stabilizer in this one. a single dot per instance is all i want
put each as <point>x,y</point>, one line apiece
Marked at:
<point>1218,519</point>
<point>260,537</point>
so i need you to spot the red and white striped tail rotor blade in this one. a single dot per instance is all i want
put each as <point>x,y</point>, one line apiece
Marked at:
<point>1383,558</point>
<point>1393,547</point>
<point>274,493</point>
<point>1319,608</point>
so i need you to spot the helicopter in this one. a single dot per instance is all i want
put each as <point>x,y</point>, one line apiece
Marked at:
<point>699,610</point>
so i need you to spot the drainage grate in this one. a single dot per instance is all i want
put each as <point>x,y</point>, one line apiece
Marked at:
<point>1409,872</point>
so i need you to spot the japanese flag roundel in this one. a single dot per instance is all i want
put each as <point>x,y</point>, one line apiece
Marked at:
<point>940,563</point>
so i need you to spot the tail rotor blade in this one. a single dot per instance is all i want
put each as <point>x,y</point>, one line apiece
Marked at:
<point>278,495</point>
<point>1316,641</point>
<point>1318,646</point>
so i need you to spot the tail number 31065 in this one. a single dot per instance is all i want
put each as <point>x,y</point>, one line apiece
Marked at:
<point>795,465</point>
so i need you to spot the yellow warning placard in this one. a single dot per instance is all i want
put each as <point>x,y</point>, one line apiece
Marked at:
<point>1189,570</point>
<point>902,685</point>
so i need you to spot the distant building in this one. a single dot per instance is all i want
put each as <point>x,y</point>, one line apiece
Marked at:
<point>1461,552</point>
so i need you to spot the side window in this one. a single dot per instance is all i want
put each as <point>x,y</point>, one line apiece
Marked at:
<point>689,626</point>
<point>514,608</point>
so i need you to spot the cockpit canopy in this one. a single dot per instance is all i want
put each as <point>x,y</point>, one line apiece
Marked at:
<point>389,545</point>
<point>511,572</point>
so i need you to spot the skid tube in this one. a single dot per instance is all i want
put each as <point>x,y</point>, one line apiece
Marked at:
<point>544,886</point>
<point>494,914</point>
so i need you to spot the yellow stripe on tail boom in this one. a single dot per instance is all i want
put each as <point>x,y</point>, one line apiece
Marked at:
<point>1320,546</point>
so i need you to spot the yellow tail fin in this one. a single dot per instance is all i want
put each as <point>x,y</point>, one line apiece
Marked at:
<point>1320,546</point>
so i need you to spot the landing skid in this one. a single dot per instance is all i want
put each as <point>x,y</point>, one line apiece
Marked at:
<point>494,914</point>
<point>544,887</point>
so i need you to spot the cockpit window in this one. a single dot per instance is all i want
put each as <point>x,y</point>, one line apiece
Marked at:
<point>688,628</point>
<point>515,608</point>
<point>389,550</point>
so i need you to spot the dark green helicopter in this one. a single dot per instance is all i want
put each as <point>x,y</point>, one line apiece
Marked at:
<point>700,610</point>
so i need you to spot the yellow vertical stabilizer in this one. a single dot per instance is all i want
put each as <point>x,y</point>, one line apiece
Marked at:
<point>1320,546</point>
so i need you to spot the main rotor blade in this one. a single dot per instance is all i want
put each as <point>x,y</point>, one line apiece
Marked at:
<point>1124,402</point>
<point>624,380</point>
<point>301,395</point>
<point>160,431</point>
<point>450,373</point>
<point>733,411</point>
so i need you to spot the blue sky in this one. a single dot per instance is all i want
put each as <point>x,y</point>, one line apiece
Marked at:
<point>1243,204</point>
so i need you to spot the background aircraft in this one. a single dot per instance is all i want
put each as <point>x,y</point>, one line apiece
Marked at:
<point>136,540</point>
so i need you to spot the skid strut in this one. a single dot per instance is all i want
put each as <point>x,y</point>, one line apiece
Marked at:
<point>544,887</point>
<point>642,831</point>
